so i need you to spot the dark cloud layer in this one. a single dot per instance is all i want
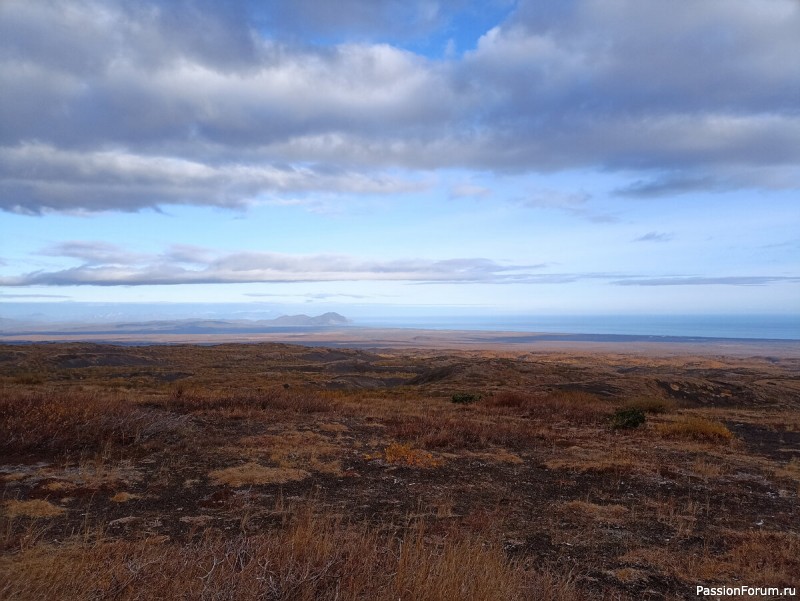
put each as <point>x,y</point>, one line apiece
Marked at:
<point>112,105</point>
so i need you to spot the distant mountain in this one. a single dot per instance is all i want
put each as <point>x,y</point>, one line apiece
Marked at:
<point>180,326</point>
<point>326,319</point>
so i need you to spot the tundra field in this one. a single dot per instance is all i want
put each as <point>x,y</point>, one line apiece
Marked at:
<point>275,471</point>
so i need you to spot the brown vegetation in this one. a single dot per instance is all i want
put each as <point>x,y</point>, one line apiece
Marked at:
<point>696,428</point>
<point>282,472</point>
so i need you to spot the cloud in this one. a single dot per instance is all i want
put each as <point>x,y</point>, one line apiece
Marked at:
<point>36,177</point>
<point>104,264</point>
<point>111,105</point>
<point>4,296</point>
<point>707,281</point>
<point>108,265</point>
<point>576,204</point>
<point>655,237</point>
<point>312,296</point>
<point>94,253</point>
<point>467,190</point>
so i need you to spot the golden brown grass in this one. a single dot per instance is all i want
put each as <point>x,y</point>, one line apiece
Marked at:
<point>446,432</point>
<point>610,514</point>
<point>403,454</point>
<point>708,468</point>
<point>619,459</point>
<point>315,558</point>
<point>254,473</point>
<point>293,448</point>
<point>696,428</point>
<point>124,497</point>
<point>36,508</point>
<point>759,558</point>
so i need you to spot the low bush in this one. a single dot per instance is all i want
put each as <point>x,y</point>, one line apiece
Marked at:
<point>465,398</point>
<point>627,419</point>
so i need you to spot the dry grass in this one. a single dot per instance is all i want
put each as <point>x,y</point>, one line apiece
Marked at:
<point>609,514</point>
<point>790,470</point>
<point>680,515</point>
<point>402,454</point>
<point>294,449</point>
<point>708,468</point>
<point>61,421</point>
<point>757,558</point>
<point>619,460</point>
<point>570,406</point>
<point>499,456</point>
<point>526,494</point>
<point>267,399</point>
<point>254,473</point>
<point>444,432</point>
<point>124,497</point>
<point>36,508</point>
<point>652,405</point>
<point>696,428</point>
<point>313,559</point>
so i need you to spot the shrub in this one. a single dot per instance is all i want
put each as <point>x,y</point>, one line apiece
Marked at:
<point>465,398</point>
<point>627,419</point>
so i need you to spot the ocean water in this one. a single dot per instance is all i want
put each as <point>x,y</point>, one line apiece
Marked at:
<point>769,327</point>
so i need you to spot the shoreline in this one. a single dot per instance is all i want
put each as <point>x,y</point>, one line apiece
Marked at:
<point>404,338</point>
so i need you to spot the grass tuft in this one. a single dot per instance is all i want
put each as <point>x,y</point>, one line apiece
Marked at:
<point>696,428</point>
<point>36,508</point>
<point>402,454</point>
<point>253,473</point>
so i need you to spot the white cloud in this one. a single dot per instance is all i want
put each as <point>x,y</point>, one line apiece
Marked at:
<point>104,264</point>
<point>468,190</point>
<point>655,237</point>
<point>119,106</point>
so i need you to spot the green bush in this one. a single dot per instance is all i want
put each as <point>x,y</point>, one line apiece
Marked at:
<point>464,398</point>
<point>627,419</point>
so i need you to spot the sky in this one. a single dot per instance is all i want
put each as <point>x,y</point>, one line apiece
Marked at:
<point>501,156</point>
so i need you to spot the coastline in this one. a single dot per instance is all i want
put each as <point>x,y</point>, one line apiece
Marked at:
<point>406,338</point>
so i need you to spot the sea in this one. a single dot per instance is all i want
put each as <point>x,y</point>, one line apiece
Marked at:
<point>759,327</point>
